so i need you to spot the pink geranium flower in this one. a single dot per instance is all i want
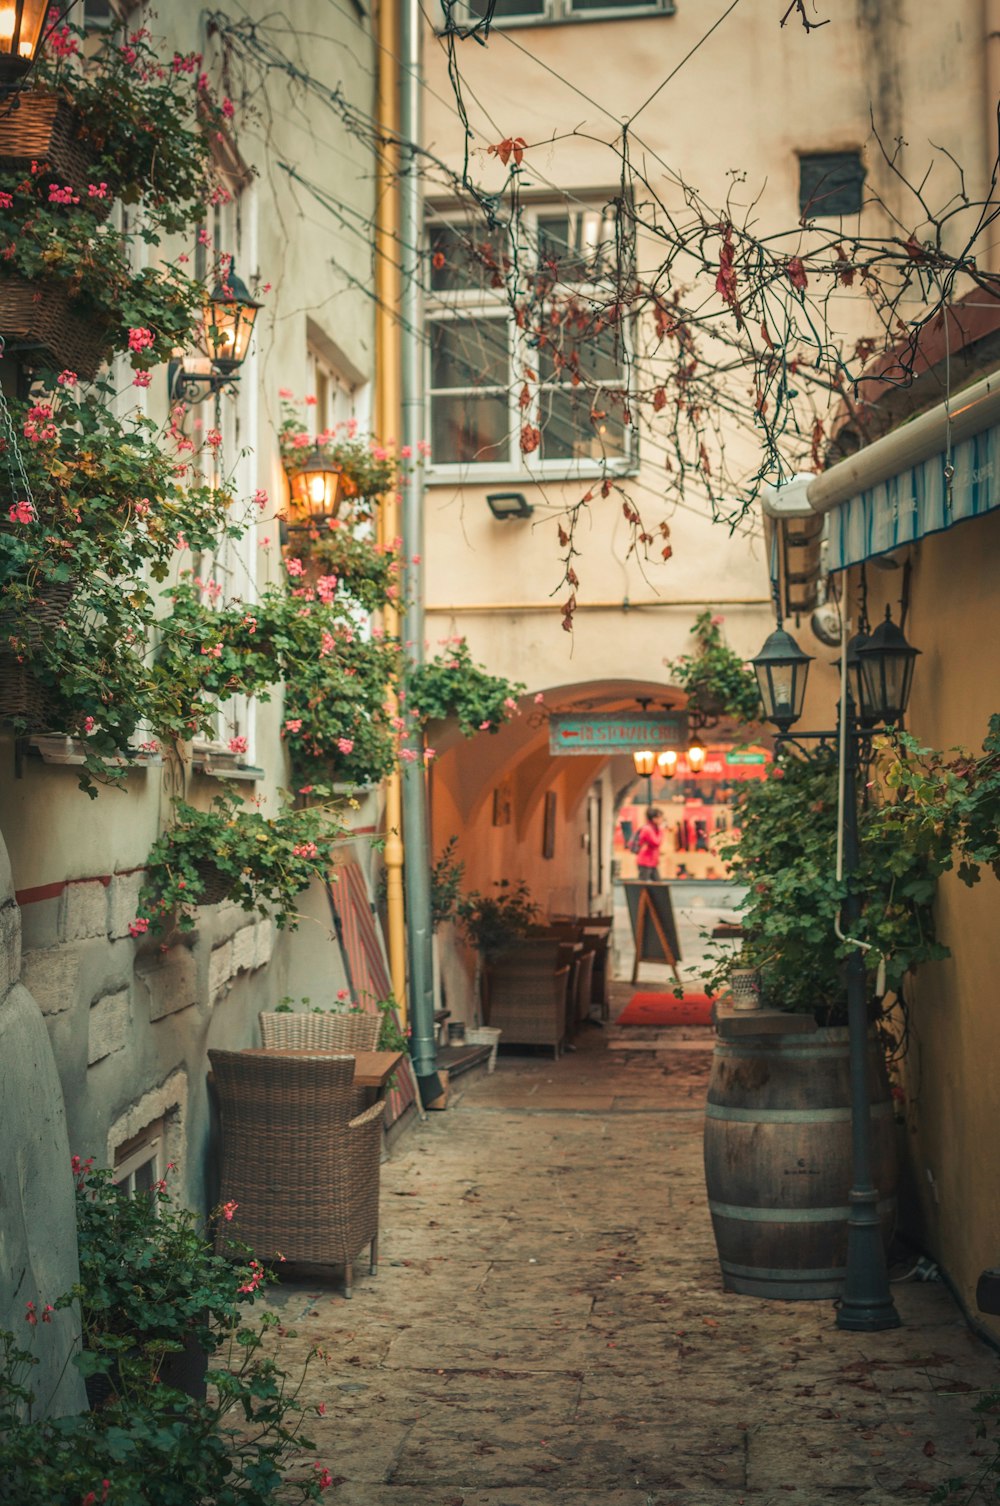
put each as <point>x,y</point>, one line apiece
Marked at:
<point>140,338</point>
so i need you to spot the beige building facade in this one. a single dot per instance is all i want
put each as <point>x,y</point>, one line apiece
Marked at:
<point>122,1023</point>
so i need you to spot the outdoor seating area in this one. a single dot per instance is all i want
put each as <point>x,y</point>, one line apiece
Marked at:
<point>543,989</point>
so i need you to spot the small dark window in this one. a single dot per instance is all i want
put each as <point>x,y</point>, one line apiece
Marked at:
<point>830,183</point>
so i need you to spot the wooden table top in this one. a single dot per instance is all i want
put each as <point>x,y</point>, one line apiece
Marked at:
<point>372,1069</point>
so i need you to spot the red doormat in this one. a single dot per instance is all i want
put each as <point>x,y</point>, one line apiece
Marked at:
<point>664,1009</point>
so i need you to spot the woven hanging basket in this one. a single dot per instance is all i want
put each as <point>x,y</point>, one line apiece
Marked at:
<point>22,699</point>
<point>44,128</point>
<point>46,610</point>
<point>42,315</point>
<point>216,885</point>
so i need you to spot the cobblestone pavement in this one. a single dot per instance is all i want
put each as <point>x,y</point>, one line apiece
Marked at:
<point>548,1326</point>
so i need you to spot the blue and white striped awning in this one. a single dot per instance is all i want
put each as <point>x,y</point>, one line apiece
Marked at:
<point>917,502</point>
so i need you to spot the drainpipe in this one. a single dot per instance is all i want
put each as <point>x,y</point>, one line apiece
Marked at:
<point>387,410</point>
<point>415,823</point>
<point>991,60</point>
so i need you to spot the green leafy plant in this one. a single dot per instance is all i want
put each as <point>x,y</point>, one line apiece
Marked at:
<point>717,682</point>
<point>951,801</point>
<point>109,505</point>
<point>236,853</point>
<point>149,1277</point>
<point>446,880</point>
<point>365,571</point>
<point>65,248</point>
<point>494,923</point>
<point>122,92</point>
<point>453,685</point>
<point>149,1282</point>
<point>786,854</point>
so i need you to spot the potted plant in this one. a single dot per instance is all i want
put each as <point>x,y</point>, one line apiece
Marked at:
<point>234,852</point>
<point>108,504</point>
<point>151,1291</point>
<point>94,118</point>
<point>778,1118</point>
<point>494,923</point>
<point>452,685</point>
<point>717,682</point>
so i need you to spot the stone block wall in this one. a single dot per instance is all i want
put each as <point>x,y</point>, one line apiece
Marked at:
<point>131,1020</point>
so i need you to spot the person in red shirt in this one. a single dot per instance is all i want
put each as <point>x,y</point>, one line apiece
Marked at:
<point>650,841</point>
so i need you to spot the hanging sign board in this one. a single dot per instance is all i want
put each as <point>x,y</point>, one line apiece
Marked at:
<point>616,732</point>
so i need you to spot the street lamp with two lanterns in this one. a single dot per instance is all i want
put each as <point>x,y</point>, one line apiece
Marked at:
<point>876,682</point>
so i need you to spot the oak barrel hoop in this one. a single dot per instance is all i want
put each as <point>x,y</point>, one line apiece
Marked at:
<point>778,1160</point>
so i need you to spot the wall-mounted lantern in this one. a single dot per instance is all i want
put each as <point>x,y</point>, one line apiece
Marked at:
<point>21,24</point>
<point>227,328</point>
<point>315,487</point>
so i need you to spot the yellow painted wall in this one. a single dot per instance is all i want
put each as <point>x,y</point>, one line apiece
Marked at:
<point>952,1072</point>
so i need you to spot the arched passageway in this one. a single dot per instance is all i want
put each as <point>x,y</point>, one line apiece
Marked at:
<point>521,812</point>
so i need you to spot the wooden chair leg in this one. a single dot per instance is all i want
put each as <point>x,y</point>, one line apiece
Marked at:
<point>348,1274</point>
<point>373,1260</point>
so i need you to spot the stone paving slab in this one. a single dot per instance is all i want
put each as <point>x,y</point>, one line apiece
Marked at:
<point>548,1326</point>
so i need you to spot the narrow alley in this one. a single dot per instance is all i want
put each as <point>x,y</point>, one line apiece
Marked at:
<point>548,1323</point>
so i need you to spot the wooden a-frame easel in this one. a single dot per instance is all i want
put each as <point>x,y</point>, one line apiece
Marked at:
<point>646,907</point>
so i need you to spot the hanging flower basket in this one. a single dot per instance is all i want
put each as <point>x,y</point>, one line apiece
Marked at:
<point>22,699</point>
<point>44,128</point>
<point>216,885</point>
<point>34,622</point>
<point>42,315</point>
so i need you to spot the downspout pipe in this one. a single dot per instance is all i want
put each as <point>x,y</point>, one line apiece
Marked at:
<point>387,362</point>
<point>423,1048</point>
<point>991,59</point>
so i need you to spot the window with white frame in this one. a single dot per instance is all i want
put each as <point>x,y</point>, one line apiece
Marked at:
<point>548,365</point>
<point>540,12</point>
<point>230,570</point>
<point>334,394</point>
<point>139,1162</point>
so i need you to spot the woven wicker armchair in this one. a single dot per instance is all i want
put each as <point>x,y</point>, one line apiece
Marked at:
<point>301,1166</point>
<point>528,1007</point>
<point>320,1032</point>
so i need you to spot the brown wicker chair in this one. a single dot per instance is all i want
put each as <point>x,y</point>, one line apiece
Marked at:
<point>528,1007</point>
<point>320,1032</point>
<point>302,1168</point>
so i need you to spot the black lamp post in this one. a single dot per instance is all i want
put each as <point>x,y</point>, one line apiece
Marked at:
<point>880,673</point>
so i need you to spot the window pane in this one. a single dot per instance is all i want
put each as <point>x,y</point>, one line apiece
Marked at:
<point>569,432</point>
<point>466,256</point>
<point>469,353</point>
<point>612,5</point>
<point>510,8</point>
<point>594,358</point>
<point>575,247</point>
<point>470,428</point>
<point>830,183</point>
<point>144,1176</point>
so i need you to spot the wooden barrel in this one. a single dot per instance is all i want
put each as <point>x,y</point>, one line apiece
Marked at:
<point>778,1160</point>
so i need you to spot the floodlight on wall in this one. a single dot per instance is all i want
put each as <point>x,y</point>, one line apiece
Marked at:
<point>507,505</point>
